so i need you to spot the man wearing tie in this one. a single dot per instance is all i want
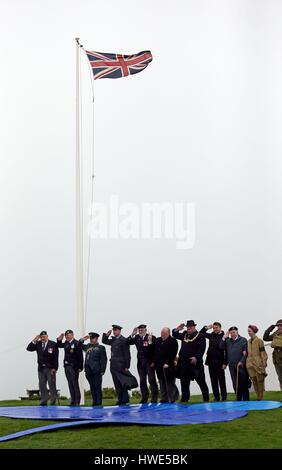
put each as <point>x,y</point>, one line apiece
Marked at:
<point>73,364</point>
<point>47,359</point>
<point>141,339</point>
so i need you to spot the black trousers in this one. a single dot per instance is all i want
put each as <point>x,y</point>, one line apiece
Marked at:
<point>95,382</point>
<point>72,378</point>
<point>147,373</point>
<point>217,376</point>
<point>121,390</point>
<point>168,389</point>
<point>243,382</point>
<point>198,373</point>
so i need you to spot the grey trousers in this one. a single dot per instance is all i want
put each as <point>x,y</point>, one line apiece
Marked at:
<point>72,378</point>
<point>44,377</point>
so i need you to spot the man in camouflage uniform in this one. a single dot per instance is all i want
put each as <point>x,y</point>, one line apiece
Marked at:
<point>276,344</point>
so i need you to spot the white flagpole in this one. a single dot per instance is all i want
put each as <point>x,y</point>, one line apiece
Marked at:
<point>79,220</point>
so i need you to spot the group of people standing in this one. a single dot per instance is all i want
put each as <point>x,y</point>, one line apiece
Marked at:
<point>158,364</point>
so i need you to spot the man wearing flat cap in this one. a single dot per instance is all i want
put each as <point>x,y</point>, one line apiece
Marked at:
<point>73,364</point>
<point>120,363</point>
<point>236,347</point>
<point>190,362</point>
<point>47,359</point>
<point>276,344</point>
<point>95,365</point>
<point>142,340</point>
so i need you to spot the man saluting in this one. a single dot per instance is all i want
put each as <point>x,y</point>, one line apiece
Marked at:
<point>141,339</point>
<point>47,359</point>
<point>120,363</point>
<point>95,365</point>
<point>190,363</point>
<point>73,364</point>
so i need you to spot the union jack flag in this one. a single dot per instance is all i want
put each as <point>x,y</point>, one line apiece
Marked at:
<point>117,65</point>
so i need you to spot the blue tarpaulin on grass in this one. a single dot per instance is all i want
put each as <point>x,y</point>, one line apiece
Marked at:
<point>166,414</point>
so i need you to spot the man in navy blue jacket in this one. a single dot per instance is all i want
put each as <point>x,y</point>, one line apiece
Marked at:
<point>47,359</point>
<point>73,364</point>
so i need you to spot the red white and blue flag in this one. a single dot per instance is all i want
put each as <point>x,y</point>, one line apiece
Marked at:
<point>117,65</point>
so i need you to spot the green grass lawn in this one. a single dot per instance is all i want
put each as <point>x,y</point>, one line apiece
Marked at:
<point>258,430</point>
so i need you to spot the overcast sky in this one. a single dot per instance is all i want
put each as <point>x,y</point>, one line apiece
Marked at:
<point>202,125</point>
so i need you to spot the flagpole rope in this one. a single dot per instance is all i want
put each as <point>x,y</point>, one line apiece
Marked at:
<point>81,143</point>
<point>92,195</point>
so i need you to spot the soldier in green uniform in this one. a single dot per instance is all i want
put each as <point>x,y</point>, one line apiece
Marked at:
<point>276,344</point>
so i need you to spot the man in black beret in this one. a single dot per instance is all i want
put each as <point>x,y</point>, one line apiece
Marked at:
<point>190,362</point>
<point>120,363</point>
<point>95,365</point>
<point>73,363</point>
<point>47,359</point>
<point>141,338</point>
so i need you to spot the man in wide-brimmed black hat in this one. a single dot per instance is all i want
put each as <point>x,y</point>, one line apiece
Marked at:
<point>276,344</point>
<point>190,362</point>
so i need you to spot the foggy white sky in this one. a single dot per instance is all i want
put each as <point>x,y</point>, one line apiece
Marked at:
<point>201,124</point>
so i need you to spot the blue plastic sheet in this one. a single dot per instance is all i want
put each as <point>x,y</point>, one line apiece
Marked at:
<point>155,411</point>
<point>166,414</point>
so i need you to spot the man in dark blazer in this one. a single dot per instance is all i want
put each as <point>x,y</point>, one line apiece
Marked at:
<point>190,362</point>
<point>47,359</point>
<point>164,355</point>
<point>216,360</point>
<point>120,363</point>
<point>140,338</point>
<point>73,364</point>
